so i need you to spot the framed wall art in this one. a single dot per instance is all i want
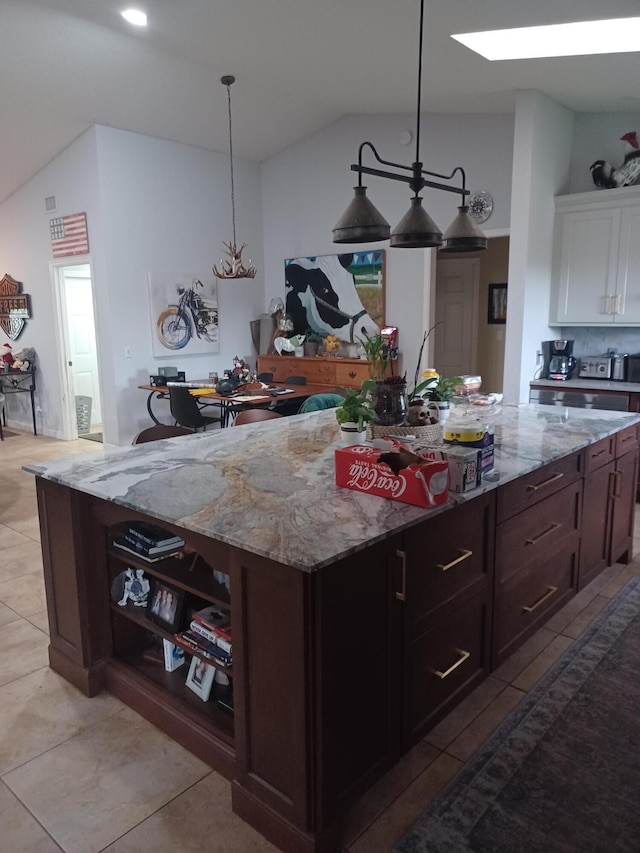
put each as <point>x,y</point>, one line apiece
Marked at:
<point>184,314</point>
<point>341,295</point>
<point>497,308</point>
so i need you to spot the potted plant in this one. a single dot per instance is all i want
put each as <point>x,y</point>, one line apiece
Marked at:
<point>312,341</point>
<point>438,392</point>
<point>379,355</point>
<point>355,412</point>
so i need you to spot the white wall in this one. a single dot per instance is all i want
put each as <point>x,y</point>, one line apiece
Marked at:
<point>166,207</point>
<point>541,164</point>
<point>306,188</point>
<point>25,253</point>
<point>152,206</point>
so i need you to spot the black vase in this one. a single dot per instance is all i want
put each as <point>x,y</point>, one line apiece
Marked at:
<point>390,402</point>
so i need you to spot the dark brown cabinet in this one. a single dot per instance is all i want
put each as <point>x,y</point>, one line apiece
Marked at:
<point>447,565</point>
<point>537,550</point>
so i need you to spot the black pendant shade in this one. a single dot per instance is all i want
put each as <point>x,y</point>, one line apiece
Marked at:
<point>416,229</point>
<point>463,235</point>
<point>361,222</point>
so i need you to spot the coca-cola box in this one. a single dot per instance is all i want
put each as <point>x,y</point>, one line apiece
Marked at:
<point>392,473</point>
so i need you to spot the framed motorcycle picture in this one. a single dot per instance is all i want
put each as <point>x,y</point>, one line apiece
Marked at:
<point>184,314</point>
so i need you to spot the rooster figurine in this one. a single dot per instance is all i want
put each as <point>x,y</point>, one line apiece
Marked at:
<point>626,175</point>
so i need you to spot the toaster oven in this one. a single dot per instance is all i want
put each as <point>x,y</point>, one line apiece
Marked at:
<point>605,367</point>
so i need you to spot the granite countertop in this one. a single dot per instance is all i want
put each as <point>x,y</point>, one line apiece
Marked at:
<point>269,487</point>
<point>595,385</point>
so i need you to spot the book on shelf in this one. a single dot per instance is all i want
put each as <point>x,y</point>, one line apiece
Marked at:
<point>215,618</point>
<point>143,548</point>
<point>202,646</point>
<point>212,636</point>
<point>122,545</point>
<point>152,535</point>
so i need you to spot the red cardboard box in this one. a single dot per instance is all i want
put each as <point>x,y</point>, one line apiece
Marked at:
<point>421,484</point>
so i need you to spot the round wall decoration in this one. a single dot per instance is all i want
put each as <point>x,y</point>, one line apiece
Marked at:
<point>480,206</point>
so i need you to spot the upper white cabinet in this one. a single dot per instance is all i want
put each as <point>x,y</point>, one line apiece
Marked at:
<point>596,259</point>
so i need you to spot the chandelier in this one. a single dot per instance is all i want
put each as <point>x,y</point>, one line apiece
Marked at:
<point>232,266</point>
<point>362,222</point>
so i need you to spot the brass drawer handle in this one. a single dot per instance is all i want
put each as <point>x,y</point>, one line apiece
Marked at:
<point>352,374</point>
<point>463,656</point>
<point>464,555</point>
<point>545,483</point>
<point>550,591</point>
<point>617,492</point>
<point>554,526</point>
<point>402,594</point>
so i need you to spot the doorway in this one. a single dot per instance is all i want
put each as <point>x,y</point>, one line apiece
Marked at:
<point>82,414</point>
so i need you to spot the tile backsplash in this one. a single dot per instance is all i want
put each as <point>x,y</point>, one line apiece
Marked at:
<point>596,341</point>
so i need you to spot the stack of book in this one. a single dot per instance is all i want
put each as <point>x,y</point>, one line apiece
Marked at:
<point>148,541</point>
<point>210,634</point>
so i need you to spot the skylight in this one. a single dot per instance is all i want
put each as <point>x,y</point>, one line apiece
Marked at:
<point>135,17</point>
<point>617,35</point>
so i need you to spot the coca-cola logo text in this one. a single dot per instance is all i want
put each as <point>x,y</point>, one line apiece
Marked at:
<point>367,478</point>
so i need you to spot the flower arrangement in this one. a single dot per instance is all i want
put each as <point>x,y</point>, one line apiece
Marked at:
<point>356,407</point>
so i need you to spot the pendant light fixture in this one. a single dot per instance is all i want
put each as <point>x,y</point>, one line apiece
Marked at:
<point>362,222</point>
<point>232,267</point>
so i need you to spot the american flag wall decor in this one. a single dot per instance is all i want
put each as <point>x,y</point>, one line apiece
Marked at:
<point>69,235</point>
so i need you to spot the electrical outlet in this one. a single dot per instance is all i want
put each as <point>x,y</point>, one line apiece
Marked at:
<point>538,357</point>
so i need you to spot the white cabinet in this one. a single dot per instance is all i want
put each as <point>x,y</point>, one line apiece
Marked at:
<point>596,261</point>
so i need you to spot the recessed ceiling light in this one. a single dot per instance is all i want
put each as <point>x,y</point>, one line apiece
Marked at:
<point>135,16</point>
<point>618,35</point>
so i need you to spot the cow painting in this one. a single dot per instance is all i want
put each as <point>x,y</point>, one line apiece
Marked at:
<point>321,295</point>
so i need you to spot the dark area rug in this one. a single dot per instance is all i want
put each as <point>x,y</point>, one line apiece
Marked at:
<point>92,436</point>
<point>562,772</point>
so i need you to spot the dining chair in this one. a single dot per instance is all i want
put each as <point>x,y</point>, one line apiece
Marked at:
<point>160,431</point>
<point>296,380</point>
<point>249,416</point>
<point>265,377</point>
<point>320,401</point>
<point>186,411</point>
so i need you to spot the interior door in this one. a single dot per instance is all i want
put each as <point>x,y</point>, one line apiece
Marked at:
<point>82,338</point>
<point>457,316</point>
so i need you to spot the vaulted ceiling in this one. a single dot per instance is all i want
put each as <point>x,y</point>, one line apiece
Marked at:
<point>299,65</point>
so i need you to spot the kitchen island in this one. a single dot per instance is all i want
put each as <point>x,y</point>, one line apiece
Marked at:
<point>358,622</point>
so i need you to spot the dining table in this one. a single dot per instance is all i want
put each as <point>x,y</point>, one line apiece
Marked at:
<point>251,395</point>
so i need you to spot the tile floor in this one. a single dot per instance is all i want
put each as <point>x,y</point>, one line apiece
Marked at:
<point>86,775</point>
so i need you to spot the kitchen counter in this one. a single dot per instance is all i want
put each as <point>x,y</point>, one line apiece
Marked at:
<point>268,488</point>
<point>597,385</point>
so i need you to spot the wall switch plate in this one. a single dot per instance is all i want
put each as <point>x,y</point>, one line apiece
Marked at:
<point>127,352</point>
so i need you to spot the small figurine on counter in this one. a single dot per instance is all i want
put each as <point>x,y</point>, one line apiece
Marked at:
<point>24,359</point>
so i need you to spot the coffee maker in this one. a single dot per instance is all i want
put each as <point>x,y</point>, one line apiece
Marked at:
<point>559,362</point>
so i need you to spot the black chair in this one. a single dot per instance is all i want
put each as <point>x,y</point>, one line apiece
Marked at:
<point>296,380</point>
<point>160,431</point>
<point>186,411</point>
<point>265,377</point>
<point>250,416</point>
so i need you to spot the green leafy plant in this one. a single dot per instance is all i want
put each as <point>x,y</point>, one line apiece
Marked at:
<point>357,407</point>
<point>438,388</point>
<point>313,337</point>
<point>378,355</point>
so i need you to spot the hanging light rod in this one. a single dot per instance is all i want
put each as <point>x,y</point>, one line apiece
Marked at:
<point>362,222</point>
<point>232,266</point>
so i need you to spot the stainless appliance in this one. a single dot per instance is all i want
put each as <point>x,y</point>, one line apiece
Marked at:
<point>580,399</point>
<point>560,359</point>
<point>603,367</point>
<point>633,368</point>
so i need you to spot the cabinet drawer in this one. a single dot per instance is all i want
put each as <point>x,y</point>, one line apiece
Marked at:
<point>626,439</point>
<point>445,664</point>
<point>353,374</point>
<point>535,535</point>
<point>444,558</point>
<point>538,485</point>
<point>319,371</point>
<point>599,453</point>
<point>529,597</point>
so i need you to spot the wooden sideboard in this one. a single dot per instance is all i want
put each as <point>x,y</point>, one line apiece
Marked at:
<point>346,372</point>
